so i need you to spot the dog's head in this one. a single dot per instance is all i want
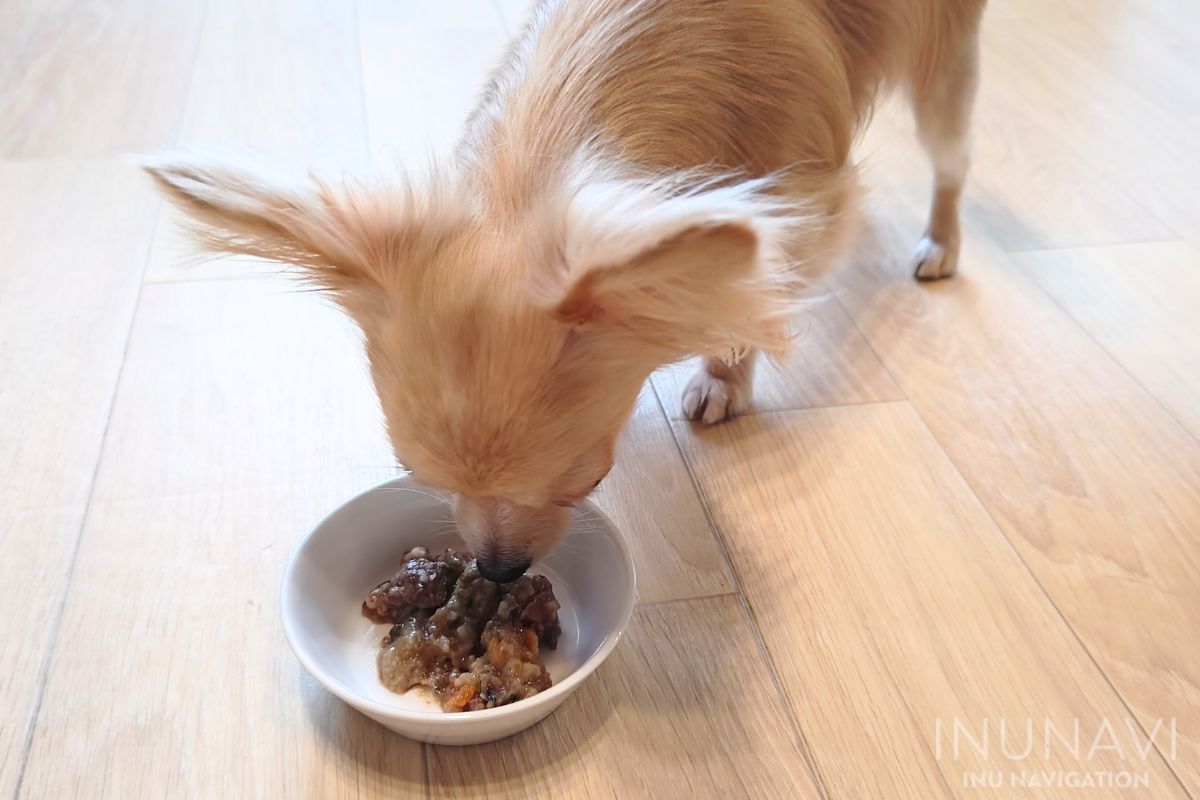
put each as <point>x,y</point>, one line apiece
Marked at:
<point>508,348</point>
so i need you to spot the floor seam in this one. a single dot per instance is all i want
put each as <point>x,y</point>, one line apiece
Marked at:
<point>52,641</point>
<point>673,600</point>
<point>1195,436</point>
<point>714,530</point>
<point>800,409</point>
<point>363,114</point>
<point>1004,533</point>
<point>836,296</point>
<point>1175,238</point>
<point>509,26</point>
<point>51,646</point>
<point>1049,599</point>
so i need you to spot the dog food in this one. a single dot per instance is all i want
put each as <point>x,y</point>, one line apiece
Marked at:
<point>473,642</point>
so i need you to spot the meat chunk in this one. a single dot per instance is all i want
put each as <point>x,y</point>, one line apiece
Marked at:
<point>423,583</point>
<point>538,608</point>
<point>473,642</point>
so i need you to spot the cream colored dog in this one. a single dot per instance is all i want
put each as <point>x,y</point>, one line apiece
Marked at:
<point>643,180</point>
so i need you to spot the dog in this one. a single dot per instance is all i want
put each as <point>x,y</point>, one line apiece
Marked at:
<point>641,181</point>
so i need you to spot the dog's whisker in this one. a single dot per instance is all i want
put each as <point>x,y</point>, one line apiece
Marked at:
<point>421,492</point>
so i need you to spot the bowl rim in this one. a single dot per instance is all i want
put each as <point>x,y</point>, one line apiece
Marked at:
<point>550,697</point>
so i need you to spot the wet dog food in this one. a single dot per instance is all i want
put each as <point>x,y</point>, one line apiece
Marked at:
<point>473,642</point>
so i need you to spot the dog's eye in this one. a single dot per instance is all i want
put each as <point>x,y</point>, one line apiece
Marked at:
<point>577,494</point>
<point>601,478</point>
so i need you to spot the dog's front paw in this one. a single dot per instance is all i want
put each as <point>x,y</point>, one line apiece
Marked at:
<point>933,261</point>
<point>710,399</point>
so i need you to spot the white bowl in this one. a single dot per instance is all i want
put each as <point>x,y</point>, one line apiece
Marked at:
<point>363,543</point>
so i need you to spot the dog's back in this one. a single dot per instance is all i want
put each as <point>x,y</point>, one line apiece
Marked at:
<point>605,217</point>
<point>749,85</point>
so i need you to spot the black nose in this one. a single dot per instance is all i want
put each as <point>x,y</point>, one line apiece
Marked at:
<point>501,571</point>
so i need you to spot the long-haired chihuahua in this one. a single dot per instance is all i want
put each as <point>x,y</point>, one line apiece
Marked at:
<point>641,181</point>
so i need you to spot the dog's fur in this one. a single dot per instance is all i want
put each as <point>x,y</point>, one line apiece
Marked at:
<point>643,180</point>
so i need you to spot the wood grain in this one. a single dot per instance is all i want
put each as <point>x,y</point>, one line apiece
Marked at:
<point>74,238</point>
<point>241,384</point>
<point>1017,539</point>
<point>423,67</point>
<point>1074,77</point>
<point>1027,189</point>
<point>343,91</point>
<point>171,670</point>
<point>242,416</point>
<point>635,730</point>
<point>279,81</point>
<point>1093,482</point>
<point>88,79</point>
<point>889,600</point>
<point>650,496</point>
<point>829,364</point>
<point>212,543</point>
<point>1139,301</point>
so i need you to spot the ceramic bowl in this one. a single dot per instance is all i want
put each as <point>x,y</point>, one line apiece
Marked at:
<point>363,543</point>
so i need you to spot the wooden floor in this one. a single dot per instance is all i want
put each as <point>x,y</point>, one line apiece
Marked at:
<point>961,506</point>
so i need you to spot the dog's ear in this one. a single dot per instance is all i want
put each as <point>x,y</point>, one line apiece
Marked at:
<point>235,209</point>
<point>687,269</point>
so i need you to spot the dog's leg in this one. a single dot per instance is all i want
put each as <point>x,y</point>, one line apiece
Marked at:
<point>943,92</point>
<point>719,390</point>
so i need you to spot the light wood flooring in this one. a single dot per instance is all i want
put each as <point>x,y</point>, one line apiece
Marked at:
<point>969,504</point>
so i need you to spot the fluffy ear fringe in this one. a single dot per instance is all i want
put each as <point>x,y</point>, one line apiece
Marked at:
<point>688,262</point>
<point>242,210</point>
<point>343,235</point>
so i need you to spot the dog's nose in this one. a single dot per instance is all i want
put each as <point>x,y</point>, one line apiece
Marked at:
<point>501,571</point>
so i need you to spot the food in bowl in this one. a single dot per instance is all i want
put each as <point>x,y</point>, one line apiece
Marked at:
<point>473,642</point>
